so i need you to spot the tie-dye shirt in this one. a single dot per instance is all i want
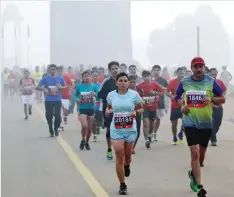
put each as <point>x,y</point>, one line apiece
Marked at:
<point>194,92</point>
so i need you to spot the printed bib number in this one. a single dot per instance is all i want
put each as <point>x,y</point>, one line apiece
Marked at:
<point>53,90</point>
<point>123,120</point>
<point>149,100</point>
<point>195,98</point>
<point>86,97</point>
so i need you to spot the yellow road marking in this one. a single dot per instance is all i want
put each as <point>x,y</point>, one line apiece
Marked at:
<point>92,182</point>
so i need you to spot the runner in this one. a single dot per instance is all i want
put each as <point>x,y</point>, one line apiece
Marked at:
<point>98,114</point>
<point>225,76</point>
<point>73,78</point>
<point>27,85</point>
<point>156,71</point>
<point>123,132</point>
<point>132,69</point>
<point>198,94</point>
<point>85,96</point>
<point>107,86</point>
<point>5,82</point>
<point>52,84</point>
<point>217,109</point>
<point>151,91</point>
<point>101,72</point>
<point>37,75</point>
<point>176,113</point>
<point>132,86</point>
<point>66,93</point>
<point>123,68</point>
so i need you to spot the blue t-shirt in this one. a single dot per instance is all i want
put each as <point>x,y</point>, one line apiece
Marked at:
<point>49,82</point>
<point>123,106</point>
<point>84,95</point>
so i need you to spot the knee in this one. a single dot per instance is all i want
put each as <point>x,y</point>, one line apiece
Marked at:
<point>195,154</point>
<point>119,156</point>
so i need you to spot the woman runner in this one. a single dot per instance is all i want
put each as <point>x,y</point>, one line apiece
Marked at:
<point>125,105</point>
<point>85,96</point>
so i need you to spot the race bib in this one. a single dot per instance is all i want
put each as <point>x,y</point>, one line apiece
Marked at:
<point>53,90</point>
<point>86,97</point>
<point>195,98</point>
<point>149,100</point>
<point>123,120</point>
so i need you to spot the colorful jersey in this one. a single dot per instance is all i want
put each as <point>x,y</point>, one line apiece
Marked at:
<point>27,85</point>
<point>194,93</point>
<point>86,95</point>
<point>150,101</point>
<point>12,80</point>
<point>123,107</point>
<point>172,86</point>
<point>49,82</point>
<point>97,103</point>
<point>66,91</point>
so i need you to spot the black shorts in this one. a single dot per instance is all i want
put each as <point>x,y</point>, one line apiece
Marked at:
<point>98,115</point>
<point>149,114</point>
<point>175,114</point>
<point>198,136</point>
<point>87,112</point>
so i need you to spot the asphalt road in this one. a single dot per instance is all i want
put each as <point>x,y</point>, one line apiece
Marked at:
<point>34,165</point>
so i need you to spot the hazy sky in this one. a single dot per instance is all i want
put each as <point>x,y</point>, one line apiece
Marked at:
<point>146,15</point>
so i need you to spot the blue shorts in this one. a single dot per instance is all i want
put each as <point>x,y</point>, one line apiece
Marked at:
<point>128,136</point>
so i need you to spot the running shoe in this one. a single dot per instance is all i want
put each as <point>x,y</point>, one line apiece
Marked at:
<point>94,138</point>
<point>213,144</point>
<point>201,191</point>
<point>26,118</point>
<point>30,112</point>
<point>193,182</point>
<point>181,136</point>
<point>147,144</point>
<point>65,120</point>
<point>123,189</point>
<point>82,145</point>
<point>87,147</point>
<point>155,137</point>
<point>175,141</point>
<point>150,137</point>
<point>127,170</point>
<point>109,155</point>
<point>56,132</point>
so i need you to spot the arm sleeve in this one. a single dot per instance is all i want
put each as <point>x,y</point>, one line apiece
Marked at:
<point>217,89</point>
<point>179,92</point>
<point>77,93</point>
<point>137,99</point>
<point>109,98</point>
<point>102,90</point>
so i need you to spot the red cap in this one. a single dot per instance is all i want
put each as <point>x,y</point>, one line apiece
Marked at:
<point>197,60</point>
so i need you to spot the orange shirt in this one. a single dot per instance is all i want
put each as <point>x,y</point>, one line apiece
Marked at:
<point>172,86</point>
<point>66,91</point>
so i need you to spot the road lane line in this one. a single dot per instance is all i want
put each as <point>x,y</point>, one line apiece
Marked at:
<point>92,182</point>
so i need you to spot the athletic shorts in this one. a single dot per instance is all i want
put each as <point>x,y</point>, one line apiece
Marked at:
<point>149,114</point>
<point>128,136</point>
<point>86,112</point>
<point>160,113</point>
<point>198,136</point>
<point>98,115</point>
<point>65,103</point>
<point>175,114</point>
<point>27,99</point>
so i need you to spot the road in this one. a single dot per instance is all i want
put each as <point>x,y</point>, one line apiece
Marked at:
<point>34,165</point>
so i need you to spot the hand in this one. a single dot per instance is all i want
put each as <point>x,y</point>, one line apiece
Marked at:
<point>184,110</point>
<point>58,85</point>
<point>207,100</point>
<point>92,93</point>
<point>46,90</point>
<point>108,112</point>
<point>139,111</point>
<point>172,98</point>
<point>151,93</point>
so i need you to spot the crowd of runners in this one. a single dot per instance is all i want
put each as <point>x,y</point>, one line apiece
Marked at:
<point>123,103</point>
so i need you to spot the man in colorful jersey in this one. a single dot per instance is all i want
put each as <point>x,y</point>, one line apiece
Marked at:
<point>52,84</point>
<point>151,90</point>
<point>176,113</point>
<point>156,71</point>
<point>27,85</point>
<point>217,109</point>
<point>198,93</point>
<point>108,85</point>
<point>98,113</point>
<point>37,75</point>
<point>66,92</point>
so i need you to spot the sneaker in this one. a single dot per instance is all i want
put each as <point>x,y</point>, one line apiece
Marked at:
<point>150,137</point>
<point>94,138</point>
<point>193,182</point>
<point>175,141</point>
<point>127,170</point>
<point>56,132</point>
<point>30,112</point>
<point>26,118</point>
<point>181,136</point>
<point>213,143</point>
<point>65,120</point>
<point>51,135</point>
<point>109,155</point>
<point>201,191</point>
<point>123,189</point>
<point>87,147</point>
<point>82,144</point>
<point>155,137</point>
<point>147,144</point>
